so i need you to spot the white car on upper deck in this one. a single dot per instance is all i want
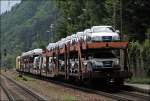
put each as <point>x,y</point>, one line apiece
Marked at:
<point>51,46</point>
<point>74,39</point>
<point>87,34</point>
<point>62,43</point>
<point>80,36</point>
<point>104,33</point>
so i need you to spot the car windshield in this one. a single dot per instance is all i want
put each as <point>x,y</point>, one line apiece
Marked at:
<point>87,31</point>
<point>108,54</point>
<point>103,29</point>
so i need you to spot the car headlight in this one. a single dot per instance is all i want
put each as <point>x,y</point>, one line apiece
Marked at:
<point>116,38</point>
<point>84,63</point>
<point>98,63</point>
<point>98,38</point>
<point>88,38</point>
<point>116,62</point>
<point>72,64</point>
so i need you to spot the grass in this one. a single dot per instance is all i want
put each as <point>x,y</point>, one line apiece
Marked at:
<point>17,78</point>
<point>28,78</point>
<point>23,78</point>
<point>1,71</point>
<point>139,80</point>
<point>69,98</point>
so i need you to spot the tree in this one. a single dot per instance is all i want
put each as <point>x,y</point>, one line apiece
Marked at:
<point>20,29</point>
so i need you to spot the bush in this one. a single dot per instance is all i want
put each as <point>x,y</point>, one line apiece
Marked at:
<point>139,57</point>
<point>146,56</point>
<point>135,58</point>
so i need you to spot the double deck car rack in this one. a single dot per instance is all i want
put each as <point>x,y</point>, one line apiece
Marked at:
<point>79,49</point>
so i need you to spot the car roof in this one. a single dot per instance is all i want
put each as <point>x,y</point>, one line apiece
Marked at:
<point>32,52</point>
<point>100,26</point>
<point>79,32</point>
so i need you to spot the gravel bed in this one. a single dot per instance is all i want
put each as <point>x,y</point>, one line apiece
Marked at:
<point>55,92</point>
<point>3,96</point>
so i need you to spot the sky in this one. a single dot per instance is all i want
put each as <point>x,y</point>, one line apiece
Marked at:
<point>6,5</point>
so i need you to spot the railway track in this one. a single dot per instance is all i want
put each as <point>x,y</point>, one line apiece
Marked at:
<point>137,95</point>
<point>120,95</point>
<point>9,97</point>
<point>16,92</point>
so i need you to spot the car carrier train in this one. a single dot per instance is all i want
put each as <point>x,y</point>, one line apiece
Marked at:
<point>95,53</point>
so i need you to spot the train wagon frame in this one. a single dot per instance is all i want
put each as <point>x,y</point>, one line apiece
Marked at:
<point>79,50</point>
<point>73,61</point>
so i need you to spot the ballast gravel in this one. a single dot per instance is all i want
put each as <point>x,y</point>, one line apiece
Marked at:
<point>54,92</point>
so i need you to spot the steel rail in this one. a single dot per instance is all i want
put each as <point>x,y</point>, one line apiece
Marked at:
<point>10,97</point>
<point>25,89</point>
<point>116,96</point>
<point>109,95</point>
<point>138,95</point>
<point>125,96</point>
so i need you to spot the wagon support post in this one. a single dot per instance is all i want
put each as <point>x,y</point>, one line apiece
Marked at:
<point>80,60</point>
<point>57,61</point>
<point>41,61</point>
<point>47,64</point>
<point>125,60</point>
<point>68,60</point>
<point>65,56</point>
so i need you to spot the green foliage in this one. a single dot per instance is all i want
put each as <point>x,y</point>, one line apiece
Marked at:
<point>139,57</point>
<point>135,57</point>
<point>69,98</point>
<point>136,18</point>
<point>24,27</point>
<point>80,14</point>
<point>140,80</point>
<point>146,56</point>
<point>148,34</point>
